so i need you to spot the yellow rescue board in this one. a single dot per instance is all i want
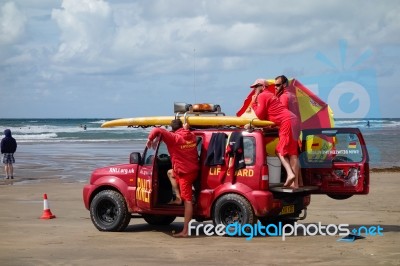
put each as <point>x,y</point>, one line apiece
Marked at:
<point>192,120</point>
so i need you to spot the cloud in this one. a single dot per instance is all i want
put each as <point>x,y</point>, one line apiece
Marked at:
<point>12,23</point>
<point>105,38</point>
<point>131,52</point>
<point>86,31</point>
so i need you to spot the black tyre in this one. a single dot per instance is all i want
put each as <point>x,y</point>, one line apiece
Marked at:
<point>339,197</point>
<point>232,208</point>
<point>158,219</point>
<point>109,211</point>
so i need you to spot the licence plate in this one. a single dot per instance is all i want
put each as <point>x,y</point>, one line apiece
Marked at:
<point>287,209</point>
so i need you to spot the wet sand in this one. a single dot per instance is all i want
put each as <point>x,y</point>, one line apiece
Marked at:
<point>71,238</point>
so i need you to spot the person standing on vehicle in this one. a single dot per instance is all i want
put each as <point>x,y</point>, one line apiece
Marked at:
<point>8,148</point>
<point>288,99</point>
<point>181,144</point>
<point>285,96</point>
<point>268,107</point>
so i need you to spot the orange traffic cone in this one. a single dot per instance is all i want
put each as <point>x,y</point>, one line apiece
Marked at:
<point>46,210</point>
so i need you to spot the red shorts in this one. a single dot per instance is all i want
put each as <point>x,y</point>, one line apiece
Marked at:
<point>185,182</point>
<point>289,133</point>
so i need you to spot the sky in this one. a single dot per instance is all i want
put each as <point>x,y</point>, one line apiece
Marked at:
<point>127,58</point>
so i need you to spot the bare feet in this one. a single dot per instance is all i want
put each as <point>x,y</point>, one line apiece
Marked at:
<point>181,234</point>
<point>177,201</point>
<point>295,184</point>
<point>289,181</point>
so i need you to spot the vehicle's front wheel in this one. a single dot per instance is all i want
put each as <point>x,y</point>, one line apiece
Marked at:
<point>109,212</point>
<point>158,219</point>
<point>233,208</point>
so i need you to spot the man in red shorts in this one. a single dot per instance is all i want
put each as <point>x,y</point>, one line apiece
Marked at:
<point>181,144</point>
<point>288,99</point>
<point>268,107</point>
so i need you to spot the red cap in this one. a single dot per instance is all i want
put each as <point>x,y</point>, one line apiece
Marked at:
<point>258,82</point>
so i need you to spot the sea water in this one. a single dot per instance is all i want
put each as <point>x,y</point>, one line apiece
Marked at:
<point>69,130</point>
<point>381,137</point>
<point>75,147</point>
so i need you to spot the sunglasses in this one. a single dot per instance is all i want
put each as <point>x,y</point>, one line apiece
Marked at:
<point>278,85</point>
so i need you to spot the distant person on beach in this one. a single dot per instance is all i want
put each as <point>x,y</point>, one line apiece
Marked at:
<point>8,148</point>
<point>368,125</point>
<point>181,144</point>
<point>84,127</point>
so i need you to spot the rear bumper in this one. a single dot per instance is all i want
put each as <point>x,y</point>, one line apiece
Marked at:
<point>261,202</point>
<point>267,204</point>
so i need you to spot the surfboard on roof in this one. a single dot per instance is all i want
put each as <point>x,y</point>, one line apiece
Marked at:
<point>195,115</point>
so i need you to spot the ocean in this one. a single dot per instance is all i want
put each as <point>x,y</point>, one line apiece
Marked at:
<point>42,142</point>
<point>69,130</point>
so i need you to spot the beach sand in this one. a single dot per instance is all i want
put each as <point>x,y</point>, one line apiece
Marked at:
<point>71,238</point>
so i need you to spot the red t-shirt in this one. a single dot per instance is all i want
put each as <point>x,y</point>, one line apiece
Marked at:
<point>268,107</point>
<point>182,147</point>
<point>288,99</point>
<point>284,99</point>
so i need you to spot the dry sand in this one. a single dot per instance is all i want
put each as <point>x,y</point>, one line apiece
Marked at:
<point>71,238</point>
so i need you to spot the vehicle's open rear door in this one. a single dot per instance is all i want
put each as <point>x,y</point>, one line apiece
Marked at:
<point>336,160</point>
<point>144,190</point>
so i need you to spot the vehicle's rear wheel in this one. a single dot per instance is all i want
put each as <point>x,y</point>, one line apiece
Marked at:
<point>339,197</point>
<point>158,219</point>
<point>232,208</point>
<point>109,212</point>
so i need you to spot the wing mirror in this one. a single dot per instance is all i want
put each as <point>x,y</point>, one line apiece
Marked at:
<point>135,158</point>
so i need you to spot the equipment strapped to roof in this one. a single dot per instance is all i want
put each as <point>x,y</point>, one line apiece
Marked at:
<point>196,115</point>
<point>198,109</point>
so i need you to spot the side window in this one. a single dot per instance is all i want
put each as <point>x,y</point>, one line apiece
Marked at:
<point>249,145</point>
<point>151,153</point>
<point>149,156</point>
<point>162,149</point>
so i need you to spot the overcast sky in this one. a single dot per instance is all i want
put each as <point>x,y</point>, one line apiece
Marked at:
<point>125,58</point>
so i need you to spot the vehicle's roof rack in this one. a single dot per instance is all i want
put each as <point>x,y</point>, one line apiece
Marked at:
<point>201,109</point>
<point>207,111</point>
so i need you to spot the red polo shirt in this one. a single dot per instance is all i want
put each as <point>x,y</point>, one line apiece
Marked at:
<point>181,146</point>
<point>268,107</point>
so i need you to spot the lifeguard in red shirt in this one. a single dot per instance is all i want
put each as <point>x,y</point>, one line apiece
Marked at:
<point>288,99</point>
<point>268,107</point>
<point>181,144</point>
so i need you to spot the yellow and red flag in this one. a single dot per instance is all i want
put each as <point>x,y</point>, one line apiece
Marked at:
<point>312,111</point>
